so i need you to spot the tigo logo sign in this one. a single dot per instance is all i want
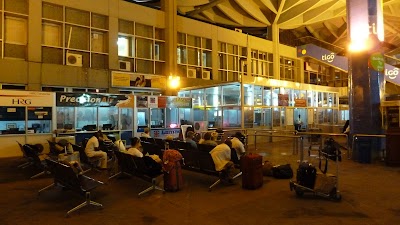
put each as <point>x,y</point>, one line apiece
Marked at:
<point>392,74</point>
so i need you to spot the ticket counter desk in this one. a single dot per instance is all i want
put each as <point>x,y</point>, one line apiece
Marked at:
<point>82,114</point>
<point>25,117</point>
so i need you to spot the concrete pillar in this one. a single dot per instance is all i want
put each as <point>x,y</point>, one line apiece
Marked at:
<point>275,50</point>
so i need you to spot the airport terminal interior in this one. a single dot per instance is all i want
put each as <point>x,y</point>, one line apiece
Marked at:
<point>295,82</point>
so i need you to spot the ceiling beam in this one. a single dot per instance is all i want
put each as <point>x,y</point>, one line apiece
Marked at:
<point>269,5</point>
<point>252,9</point>
<point>231,13</point>
<point>297,11</point>
<point>329,27</point>
<point>320,10</point>
<point>280,9</point>
<point>312,32</point>
<point>204,7</point>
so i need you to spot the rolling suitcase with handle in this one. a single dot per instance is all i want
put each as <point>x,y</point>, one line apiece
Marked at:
<point>173,180</point>
<point>252,173</point>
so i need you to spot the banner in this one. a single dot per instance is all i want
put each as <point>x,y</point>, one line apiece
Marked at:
<point>174,102</point>
<point>92,100</point>
<point>26,98</point>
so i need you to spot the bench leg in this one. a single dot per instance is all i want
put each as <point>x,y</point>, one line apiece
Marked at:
<point>25,164</point>
<point>152,187</point>
<point>45,188</point>
<point>85,203</point>
<point>237,175</point>
<point>215,183</point>
<point>38,175</point>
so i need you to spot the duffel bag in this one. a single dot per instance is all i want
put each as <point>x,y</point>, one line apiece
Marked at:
<point>282,171</point>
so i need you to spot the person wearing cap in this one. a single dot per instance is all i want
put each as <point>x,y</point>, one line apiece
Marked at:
<point>238,145</point>
<point>92,149</point>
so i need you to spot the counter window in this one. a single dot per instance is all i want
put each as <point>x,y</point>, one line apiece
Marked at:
<point>198,114</point>
<point>108,118</point>
<point>126,119</point>
<point>65,118</point>
<point>184,115</point>
<point>233,117</point>
<point>214,117</point>
<point>172,117</point>
<point>157,118</point>
<point>39,119</point>
<point>143,117</point>
<point>12,120</point>
<point>86,118</point>
<point>231,94</point>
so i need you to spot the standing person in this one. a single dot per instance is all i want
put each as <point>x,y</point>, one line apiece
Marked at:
<point>238,145</point>
<point>346,127</point>
<point>221,156</point>
<point>297,125</point>
<point>92,149</point>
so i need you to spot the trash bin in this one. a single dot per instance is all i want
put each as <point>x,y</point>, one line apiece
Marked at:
<point>362,150</point>
<point>392,148</point>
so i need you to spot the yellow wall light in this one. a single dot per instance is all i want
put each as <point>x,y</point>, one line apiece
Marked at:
<point>174,82</point>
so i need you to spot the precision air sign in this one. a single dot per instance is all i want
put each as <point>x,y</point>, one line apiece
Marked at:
<point>26,98</point>
<point>341,62</point>
<point>88,100</point>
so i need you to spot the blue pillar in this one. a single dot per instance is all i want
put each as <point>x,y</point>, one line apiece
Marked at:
<point>366,83</point>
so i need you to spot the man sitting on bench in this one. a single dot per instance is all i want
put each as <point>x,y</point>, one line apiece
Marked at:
<point>92,149</point>
<point>221,156</point>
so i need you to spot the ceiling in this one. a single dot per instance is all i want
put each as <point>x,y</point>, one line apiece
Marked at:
<point>299,21</point>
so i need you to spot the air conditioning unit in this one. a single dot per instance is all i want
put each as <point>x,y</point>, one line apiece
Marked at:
<point>206,75</point>
<point>200,126</point>
<point>74,59</point>
<point>191,73</point>
<point>124,65</point>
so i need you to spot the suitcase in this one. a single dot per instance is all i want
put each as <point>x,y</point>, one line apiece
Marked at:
<point>252,171</point>
<point>173,180</point>
<point>306,174</point>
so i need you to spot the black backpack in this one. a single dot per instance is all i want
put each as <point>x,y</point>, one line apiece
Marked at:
<point>282,171</point>
<point>331,150</point>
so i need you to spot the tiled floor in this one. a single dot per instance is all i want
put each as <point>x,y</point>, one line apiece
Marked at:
<point>370,195</point>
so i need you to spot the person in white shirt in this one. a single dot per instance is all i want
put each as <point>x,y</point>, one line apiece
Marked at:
<point>221,156</point>
<point>238,145</point>
<point>136,149</point>
<point>146,133</point>
<point>92,149</point>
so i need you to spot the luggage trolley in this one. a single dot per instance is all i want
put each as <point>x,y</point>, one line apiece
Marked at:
<point>328,185</point>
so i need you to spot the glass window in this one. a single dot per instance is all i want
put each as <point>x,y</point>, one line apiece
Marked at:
<point>231,94</point>
<point>144,48</point>
<point>185,115</point>
<point>108,118</point>
<point>258,95</point>
<point>126,119</point>
<point>213,96</point>
<point>86,116</point>
<point>12,120</point>
<point>181,55</point>
<point>249,117</point>
<point>199,114</point>
<point>15,30</point>
<point>172,117</point>
<point>66,118</point>
<point>276,117</point>
<point>248,94</point>
<point>275,93</point>
<point>52,34</point>
<point>267,122</point>
<point>157,118</point>
<point>99,42</point>
<point>214,116</point>
<point>267,96</point>
<point>143,117</point>
<point>184,94</point>
<point>39,119</point>
<point>258,120</point>
<point>198,97</point>
<point>232,117</point>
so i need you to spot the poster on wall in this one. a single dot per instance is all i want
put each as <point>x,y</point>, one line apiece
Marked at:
<point>141,101</point>
<point>174,102</point>
<point>124,79</point>
<point>26,98</point>
<point>300,102</point>
<point>153,101</point>
<point>283,99</point>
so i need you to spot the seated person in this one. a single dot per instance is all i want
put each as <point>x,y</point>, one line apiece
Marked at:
<point>189,139</point>
<point>146,133</point>
<point>120,145</point>
<point>153,162</point>
<point>221,156</point>
<point>92,149</point>
<point>238,145</point>
<point>136,149</point>
<point>207,140</point>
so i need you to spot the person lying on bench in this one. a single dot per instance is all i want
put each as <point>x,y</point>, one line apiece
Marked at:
<point>92,149</point>
<point>221,156</point>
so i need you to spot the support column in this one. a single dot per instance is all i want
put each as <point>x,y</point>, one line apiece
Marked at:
<point>275,43</point>
<point>170,9</point>
<point>366,75</point>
